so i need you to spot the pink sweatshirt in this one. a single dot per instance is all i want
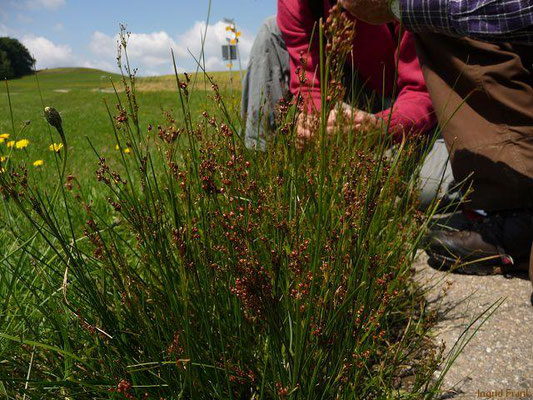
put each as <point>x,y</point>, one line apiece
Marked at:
<point>375,49</point>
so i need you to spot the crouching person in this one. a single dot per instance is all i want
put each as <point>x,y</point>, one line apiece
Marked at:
<point>483,96</point>
<point>477,59</point>
<point>384,60</point>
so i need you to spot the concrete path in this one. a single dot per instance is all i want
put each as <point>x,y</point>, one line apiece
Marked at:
<point>498,361</point>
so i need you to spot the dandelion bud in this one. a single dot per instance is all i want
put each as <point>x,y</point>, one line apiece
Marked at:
<point>53,117</point>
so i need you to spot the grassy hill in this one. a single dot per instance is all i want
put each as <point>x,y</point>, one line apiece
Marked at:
<point>63,78</point>
<point>80,95</point>
<point>68,79</point>
<point>225,80</point>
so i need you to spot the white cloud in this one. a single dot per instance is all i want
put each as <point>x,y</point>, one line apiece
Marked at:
<point>150,52</point>
<point>212,63</point>
<point>47,53</point>
<point>147,51</point>
<point>153,49</point>
<point>46,3</point>
<point>102,45</point>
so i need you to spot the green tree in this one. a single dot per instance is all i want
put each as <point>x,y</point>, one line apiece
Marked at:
<point>15,59</point>
<point>6,70</point>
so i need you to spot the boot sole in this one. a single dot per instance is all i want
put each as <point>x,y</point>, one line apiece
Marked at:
<point>443,263</point>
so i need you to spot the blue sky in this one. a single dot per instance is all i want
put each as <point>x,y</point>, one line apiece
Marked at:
<point>62,33</point>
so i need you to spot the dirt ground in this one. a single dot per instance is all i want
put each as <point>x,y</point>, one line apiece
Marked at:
<point>498,361</point>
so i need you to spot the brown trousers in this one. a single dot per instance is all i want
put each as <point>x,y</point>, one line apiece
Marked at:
<point>483,97</point>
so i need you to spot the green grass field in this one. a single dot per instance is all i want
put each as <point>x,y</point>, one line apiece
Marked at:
<point>79,94</point>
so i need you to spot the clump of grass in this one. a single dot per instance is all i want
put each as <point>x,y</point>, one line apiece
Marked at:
<point>214,271</point>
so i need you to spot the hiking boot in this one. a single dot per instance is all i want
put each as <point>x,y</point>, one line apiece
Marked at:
<point>495,244</point>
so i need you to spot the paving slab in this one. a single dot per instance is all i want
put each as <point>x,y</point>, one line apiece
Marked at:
<point>498,361</point>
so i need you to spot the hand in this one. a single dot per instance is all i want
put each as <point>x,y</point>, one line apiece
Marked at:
<point>371,11</point>
<point>354,118</point>
<point>305,128</point>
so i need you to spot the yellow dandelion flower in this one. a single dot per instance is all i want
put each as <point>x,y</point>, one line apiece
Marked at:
<point>4,136</point>
<point>38,163</point>
<point>3,159</point>
<point>126,150</point>
<point>21,144</point>
<point>2,140</point>
<point>56,147</point>
<point>11,143</point>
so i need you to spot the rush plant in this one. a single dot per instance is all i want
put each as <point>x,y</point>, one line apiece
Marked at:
<point>213,271</point>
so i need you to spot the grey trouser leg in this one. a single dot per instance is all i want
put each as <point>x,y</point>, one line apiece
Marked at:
<point>436,178</point>
<point>265,84</point>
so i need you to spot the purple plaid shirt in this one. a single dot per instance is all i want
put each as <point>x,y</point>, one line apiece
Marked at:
<point>490,20</point>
